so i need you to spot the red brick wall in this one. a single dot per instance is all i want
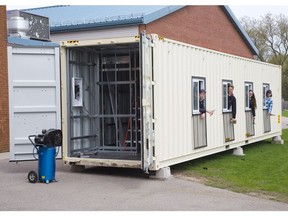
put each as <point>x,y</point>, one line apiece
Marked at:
<point>4,105</point>
<point>205,26</point>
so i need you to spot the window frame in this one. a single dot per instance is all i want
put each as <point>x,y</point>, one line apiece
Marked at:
<point>225,83</point>
<point>201,82</point>
<point>246,104</point>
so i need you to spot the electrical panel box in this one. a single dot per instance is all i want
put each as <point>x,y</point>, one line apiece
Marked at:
<point>77,92</point>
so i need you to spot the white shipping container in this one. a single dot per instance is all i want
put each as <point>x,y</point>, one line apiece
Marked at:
<point>140,107</point>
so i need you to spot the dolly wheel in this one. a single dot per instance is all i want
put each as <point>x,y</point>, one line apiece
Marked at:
<point>32,177</point>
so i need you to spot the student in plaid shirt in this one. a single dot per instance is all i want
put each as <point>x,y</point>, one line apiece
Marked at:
<point>269,101</point>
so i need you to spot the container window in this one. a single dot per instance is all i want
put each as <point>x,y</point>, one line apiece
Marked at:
<point>197,85</point>
<point>199,124</point>
<point>227,113</point>
<point>195,96</point>
<point>250,131</point>
<point>248,87</point>
<point>225,84</point>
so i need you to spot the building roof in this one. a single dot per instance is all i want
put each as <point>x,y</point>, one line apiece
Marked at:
<point>76,18</point>
<point>31,43</point>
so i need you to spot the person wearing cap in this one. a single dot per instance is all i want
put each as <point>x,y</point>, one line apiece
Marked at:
<point>202,104</point>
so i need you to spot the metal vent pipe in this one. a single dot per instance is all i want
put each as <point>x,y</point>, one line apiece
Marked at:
<point>17,27</point>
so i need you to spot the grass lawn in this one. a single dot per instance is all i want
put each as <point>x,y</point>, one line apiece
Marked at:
<point>285,113</point>
<point>263,171</point>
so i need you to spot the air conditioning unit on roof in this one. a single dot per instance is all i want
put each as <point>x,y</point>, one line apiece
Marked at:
<point>27,25</point>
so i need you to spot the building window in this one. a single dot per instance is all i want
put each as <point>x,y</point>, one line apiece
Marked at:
<point>197,85</point>
<point>265,88</point>
<point>248,87</point>
<point>225,84</point>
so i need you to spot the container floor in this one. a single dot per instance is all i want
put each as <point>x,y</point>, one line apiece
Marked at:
<point>114,155</point>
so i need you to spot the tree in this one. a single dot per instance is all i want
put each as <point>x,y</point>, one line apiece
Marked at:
<point>278,60</point>
<point>270,36</point>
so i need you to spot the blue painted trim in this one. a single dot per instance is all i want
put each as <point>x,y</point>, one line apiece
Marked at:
<point>109,24</point>
<point>240,29</point>
<point>31,43</point>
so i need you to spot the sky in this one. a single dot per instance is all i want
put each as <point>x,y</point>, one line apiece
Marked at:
<point>240,9</point>
<point>259,10</point>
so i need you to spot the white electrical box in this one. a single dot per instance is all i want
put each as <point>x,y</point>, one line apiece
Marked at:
<point>77,92</point>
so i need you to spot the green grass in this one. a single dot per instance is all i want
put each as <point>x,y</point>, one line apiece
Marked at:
<point>262,171</point>
<point>285,113</point>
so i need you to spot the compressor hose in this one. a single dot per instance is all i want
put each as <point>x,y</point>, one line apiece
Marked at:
<point>35,147</point>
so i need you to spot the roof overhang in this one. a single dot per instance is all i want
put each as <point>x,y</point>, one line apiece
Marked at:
<point>31,43</point>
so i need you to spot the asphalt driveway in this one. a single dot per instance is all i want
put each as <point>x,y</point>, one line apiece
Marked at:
<point>116,189</point>
<point>109,189</point>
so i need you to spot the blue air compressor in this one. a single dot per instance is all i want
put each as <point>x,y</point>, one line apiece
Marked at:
<point>45,145</point>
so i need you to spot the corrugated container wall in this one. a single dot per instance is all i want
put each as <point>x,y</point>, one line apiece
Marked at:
<point>175,64</point>
<point>168,77</point>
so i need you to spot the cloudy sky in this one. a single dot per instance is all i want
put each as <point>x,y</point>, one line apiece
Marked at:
<point>259,10</point>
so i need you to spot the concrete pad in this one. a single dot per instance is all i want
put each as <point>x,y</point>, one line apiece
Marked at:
<point>162,174</point>
<point>238,151</point>
<point>277,140</point>
<point>5,155</point>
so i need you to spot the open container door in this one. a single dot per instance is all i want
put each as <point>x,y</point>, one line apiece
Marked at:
<point>147,102</point>
<point>101,102</point>
<point>34,93</point>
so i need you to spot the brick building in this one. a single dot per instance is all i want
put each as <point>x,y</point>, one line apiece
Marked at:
<point>4,105</point>
<point>205,26</point>
<point>212,27</point>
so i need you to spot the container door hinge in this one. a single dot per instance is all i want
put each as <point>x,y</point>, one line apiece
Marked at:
<point>150,43</point>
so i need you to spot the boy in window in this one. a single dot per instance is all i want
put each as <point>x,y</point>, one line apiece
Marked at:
<point>202,104</point>
<point>232,102</point>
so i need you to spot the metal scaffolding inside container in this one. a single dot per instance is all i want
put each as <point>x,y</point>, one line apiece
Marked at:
<point>108,124</point>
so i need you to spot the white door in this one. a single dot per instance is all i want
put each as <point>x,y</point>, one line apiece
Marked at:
<point>34,96</point>
<point>147,124</point>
